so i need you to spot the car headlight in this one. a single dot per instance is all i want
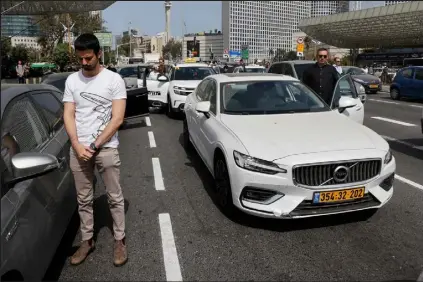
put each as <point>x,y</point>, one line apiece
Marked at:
<point>388,157</point>
<point>178,90</point>
<point>257,165</point>
<point>359,80</point>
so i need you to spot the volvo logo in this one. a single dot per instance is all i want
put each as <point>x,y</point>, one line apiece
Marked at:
<point>340,174</point>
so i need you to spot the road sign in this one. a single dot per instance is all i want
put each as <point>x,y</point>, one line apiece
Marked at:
<point>234,54</point>
<point>300,54</point>
<point>225,56</point>
<point>300,40</point>
<point>105,38</point>
<point>226,51</point>
<point>244,52</point>
<point>300,47</point>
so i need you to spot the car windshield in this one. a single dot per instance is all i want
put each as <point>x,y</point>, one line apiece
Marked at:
<point>58,82</point>
<point>269,97</point>
<point>192,73</point>
<point>255,70</point>
<point>353,70</point>
<point>130,71</point>
<point>300,68</point>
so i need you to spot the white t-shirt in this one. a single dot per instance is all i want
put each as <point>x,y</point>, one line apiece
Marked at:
<point>93,103</point>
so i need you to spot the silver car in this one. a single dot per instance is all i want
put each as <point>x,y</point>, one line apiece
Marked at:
<point>37,189</point>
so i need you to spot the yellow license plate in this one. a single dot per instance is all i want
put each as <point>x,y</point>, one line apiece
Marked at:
<point>338,195</point>
<point>374,86</point>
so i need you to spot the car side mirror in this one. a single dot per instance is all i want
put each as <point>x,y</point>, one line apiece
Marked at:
<point>345,103</point>
<point>29,165</point>
<point>203,107</point>
<point>162,78</point>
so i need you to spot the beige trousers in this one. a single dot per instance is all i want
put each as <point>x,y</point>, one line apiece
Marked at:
<point>108,164</point>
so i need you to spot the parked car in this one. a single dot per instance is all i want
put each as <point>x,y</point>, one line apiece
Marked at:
<point>371,83</point>
<point>137,98</point>
<point>37,189</point>
<point>250,68</point>
<point>408,83</point>
<point>277,150</point>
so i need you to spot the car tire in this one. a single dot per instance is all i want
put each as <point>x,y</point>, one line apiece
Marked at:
<point>373,92</point>
<point>223,186</point>
<point>187,142</point>
<point>169,110</point>
<point>394,93</point>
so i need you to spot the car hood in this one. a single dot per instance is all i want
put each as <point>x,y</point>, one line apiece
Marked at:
<point>366,77</point>
<point>186,83</point>
<point>272,137</point>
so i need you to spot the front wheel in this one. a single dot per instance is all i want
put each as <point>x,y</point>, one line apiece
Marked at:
<point>395,95</point>
<point>223,186</point>
<point>170,113</point>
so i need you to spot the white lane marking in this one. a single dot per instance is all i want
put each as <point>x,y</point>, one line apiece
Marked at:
<point>381,101</point>
<point>151,139</point>
<point>148,121</point>
<point>396,103</point>
<point>409,182</point>
<point>394,121</point>
<point>170,256</point>
<point>402,142</point>
<point>158,177</point>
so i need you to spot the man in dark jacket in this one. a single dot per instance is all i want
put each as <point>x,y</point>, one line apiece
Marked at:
<point>322,77</point>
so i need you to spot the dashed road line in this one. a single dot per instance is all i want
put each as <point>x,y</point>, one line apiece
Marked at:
<point>394,121</point>
<point>170,255</point>
<point>151,139</point>
<point>402,142</point>
<point>396,103</point>
<point>158,177</point>
<point>148,121</point>
<point>409,182</point>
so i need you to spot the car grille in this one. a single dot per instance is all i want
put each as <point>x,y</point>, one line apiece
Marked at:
<point>322,174</point>
<point>308,208</point>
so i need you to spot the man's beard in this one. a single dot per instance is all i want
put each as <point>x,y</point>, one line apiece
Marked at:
<point>89,67</point>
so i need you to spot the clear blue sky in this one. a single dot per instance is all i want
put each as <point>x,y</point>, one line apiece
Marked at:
<point>149,16</point>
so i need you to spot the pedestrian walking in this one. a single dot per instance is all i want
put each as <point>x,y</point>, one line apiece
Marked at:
<point>94,108</point>
<point>322,77</point>
<point>337,65</point>
<point>20,72</point>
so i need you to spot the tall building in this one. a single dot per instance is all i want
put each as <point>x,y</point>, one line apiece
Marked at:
<point>168,5</point>
<point>324,8</point>
<point>262,25</point>
<point>387,3</point>
<point>18,25</point>
<point>355,5</point>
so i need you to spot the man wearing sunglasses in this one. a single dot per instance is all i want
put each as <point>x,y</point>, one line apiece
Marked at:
<point>322,77</point>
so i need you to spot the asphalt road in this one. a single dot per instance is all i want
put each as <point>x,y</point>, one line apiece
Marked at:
<point>175,229</point>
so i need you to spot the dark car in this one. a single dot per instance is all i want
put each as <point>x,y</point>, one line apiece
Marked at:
<point>372,84</point>
<point>137,98</point>
<point>292,68</point>
<point>408,83</point>
<point>38,195</point>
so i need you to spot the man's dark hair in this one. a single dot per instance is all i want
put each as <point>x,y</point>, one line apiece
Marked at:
<point>322,49</point>
<point>87,41</point>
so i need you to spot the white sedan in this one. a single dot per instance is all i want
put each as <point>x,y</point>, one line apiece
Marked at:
<point>276,149</point>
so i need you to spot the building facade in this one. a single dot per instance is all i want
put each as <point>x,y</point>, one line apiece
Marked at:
<point>202,45</point>
<point>387,3</point>
<point>261,25</point>
<point>324,8</point>
<point>27,41</point>
<point>18,25</point>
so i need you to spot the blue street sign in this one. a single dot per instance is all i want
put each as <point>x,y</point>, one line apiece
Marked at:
<point>234,54</point>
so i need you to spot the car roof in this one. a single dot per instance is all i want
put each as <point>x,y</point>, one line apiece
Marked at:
<point>10,91</point>
<point>246,76</point>
<point>59,75</point>
<point>182,65</point>
<point>297,62</point>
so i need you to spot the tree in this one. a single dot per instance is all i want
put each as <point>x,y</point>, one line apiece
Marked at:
<point>291,55</point>
<point>61,55</point>
<point>172,48</point>
<point>6,46</point>
<point>19,53</point>
<point>53,30</point>
<point>124,49</point>
<point>307,41</point>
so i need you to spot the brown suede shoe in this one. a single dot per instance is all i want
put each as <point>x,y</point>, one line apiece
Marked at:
<point>120,253</point>
<point>82,253</point>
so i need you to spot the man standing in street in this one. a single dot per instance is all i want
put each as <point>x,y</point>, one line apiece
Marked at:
<point>20,71</point>
<point>94,108</point>
<point>337,65</point>
<point>322,77</point>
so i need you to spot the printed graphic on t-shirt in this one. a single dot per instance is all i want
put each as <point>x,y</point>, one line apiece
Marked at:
<point>102,106</point>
